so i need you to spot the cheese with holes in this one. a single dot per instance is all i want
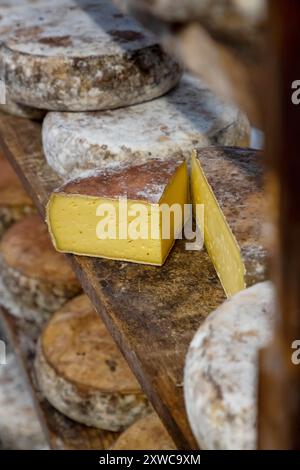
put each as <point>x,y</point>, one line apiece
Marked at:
<point>229,184</point>
<point>82,373</point>
<point>190,115</point>
<point>147,433</point>
<point>221,370</point>
<point>35,281</point>
<point>82,56</point>
<point>14,202</point>
<point>122,213</point>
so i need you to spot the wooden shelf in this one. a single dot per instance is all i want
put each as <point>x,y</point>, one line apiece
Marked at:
<point>61,432</point>
<point>152,313</point>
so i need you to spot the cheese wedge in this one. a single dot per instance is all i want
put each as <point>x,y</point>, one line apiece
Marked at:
<point>122,213</point>
<point>228,182</point>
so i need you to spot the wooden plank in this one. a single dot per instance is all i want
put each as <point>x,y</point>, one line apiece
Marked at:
<point>152,313</point>
<point>61,432</point>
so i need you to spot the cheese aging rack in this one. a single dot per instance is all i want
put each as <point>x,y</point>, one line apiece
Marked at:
<point>152,313</point>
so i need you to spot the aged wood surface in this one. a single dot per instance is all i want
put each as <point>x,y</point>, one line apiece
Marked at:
<point>61,432</point>
<point>152,313</point>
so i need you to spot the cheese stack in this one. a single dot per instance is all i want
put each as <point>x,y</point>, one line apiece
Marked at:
<point>14,202</point>
<point>228,182</point>
<point>147,433</point>
<point>71,56</point>
<point>82,373</point>
<point>189,116</point>
<point>35,280</point>
<point>221,370</point>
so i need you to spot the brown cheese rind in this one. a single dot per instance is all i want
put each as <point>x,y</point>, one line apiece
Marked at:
<point>14,202</point>
<point>35,280</point>
<point>146,182</point>
<point>235,175</point>
<point>82,373</point>
<point>147,433</point>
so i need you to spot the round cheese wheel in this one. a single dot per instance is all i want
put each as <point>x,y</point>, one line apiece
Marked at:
<point>35,279</point>
<point>82,373</point>
<point>220,379</point>
<point>81,56</point>
<point>191,115</point>
<point>147,433</point>
<point>19,426</point>
<point>14,202</point>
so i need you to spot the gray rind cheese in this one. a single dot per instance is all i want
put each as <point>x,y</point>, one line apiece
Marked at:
<point>81,57</point>
<point>35,280</point>
<point>147,433</point>
<point>82,373</point>
<point>19,426</point>
<point>221,370</point>
<point>189,116</point>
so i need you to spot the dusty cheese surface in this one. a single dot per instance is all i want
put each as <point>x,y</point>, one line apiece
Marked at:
<point>229,183</point>
<point>189,116</point>
<point>79,56</point>
<point>19,426</point>
<point>90,216</point>
<point>220,379</point>
<point>82,372</point>
<point>147,433</point>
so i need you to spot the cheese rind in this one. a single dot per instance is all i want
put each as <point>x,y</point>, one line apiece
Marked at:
<point>229,183</point>
<point>80,57</point>
<point>82,373</point>
<point>73,212</point>
<point>14,202</point>
<point>35,281</point>
<point>147,433</point>
<point>221,370</point>
<point>190,116</point>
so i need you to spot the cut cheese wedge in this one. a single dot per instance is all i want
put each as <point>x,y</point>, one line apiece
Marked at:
<point>228,182</point>
<point>132,213</point>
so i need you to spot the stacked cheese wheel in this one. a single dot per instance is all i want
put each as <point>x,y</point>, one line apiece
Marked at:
<point>102,78</point>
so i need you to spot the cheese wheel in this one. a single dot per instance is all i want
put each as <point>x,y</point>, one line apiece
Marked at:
<point>220,377</point>
<point>82,373</point>
<point>229,183</point>
<point>14,202</point>
<point>81,57</point>
<point>19,426</point>
<point>191,115</point>
<point>147,433</point>
<point>35,279</point>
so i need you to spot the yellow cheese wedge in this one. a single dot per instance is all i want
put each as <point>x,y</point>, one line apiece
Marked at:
<point>121,213</point>
<point>228,182</point>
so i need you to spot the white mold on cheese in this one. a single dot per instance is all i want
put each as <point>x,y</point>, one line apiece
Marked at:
<point>220,379</point>
<point>190,116</point>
